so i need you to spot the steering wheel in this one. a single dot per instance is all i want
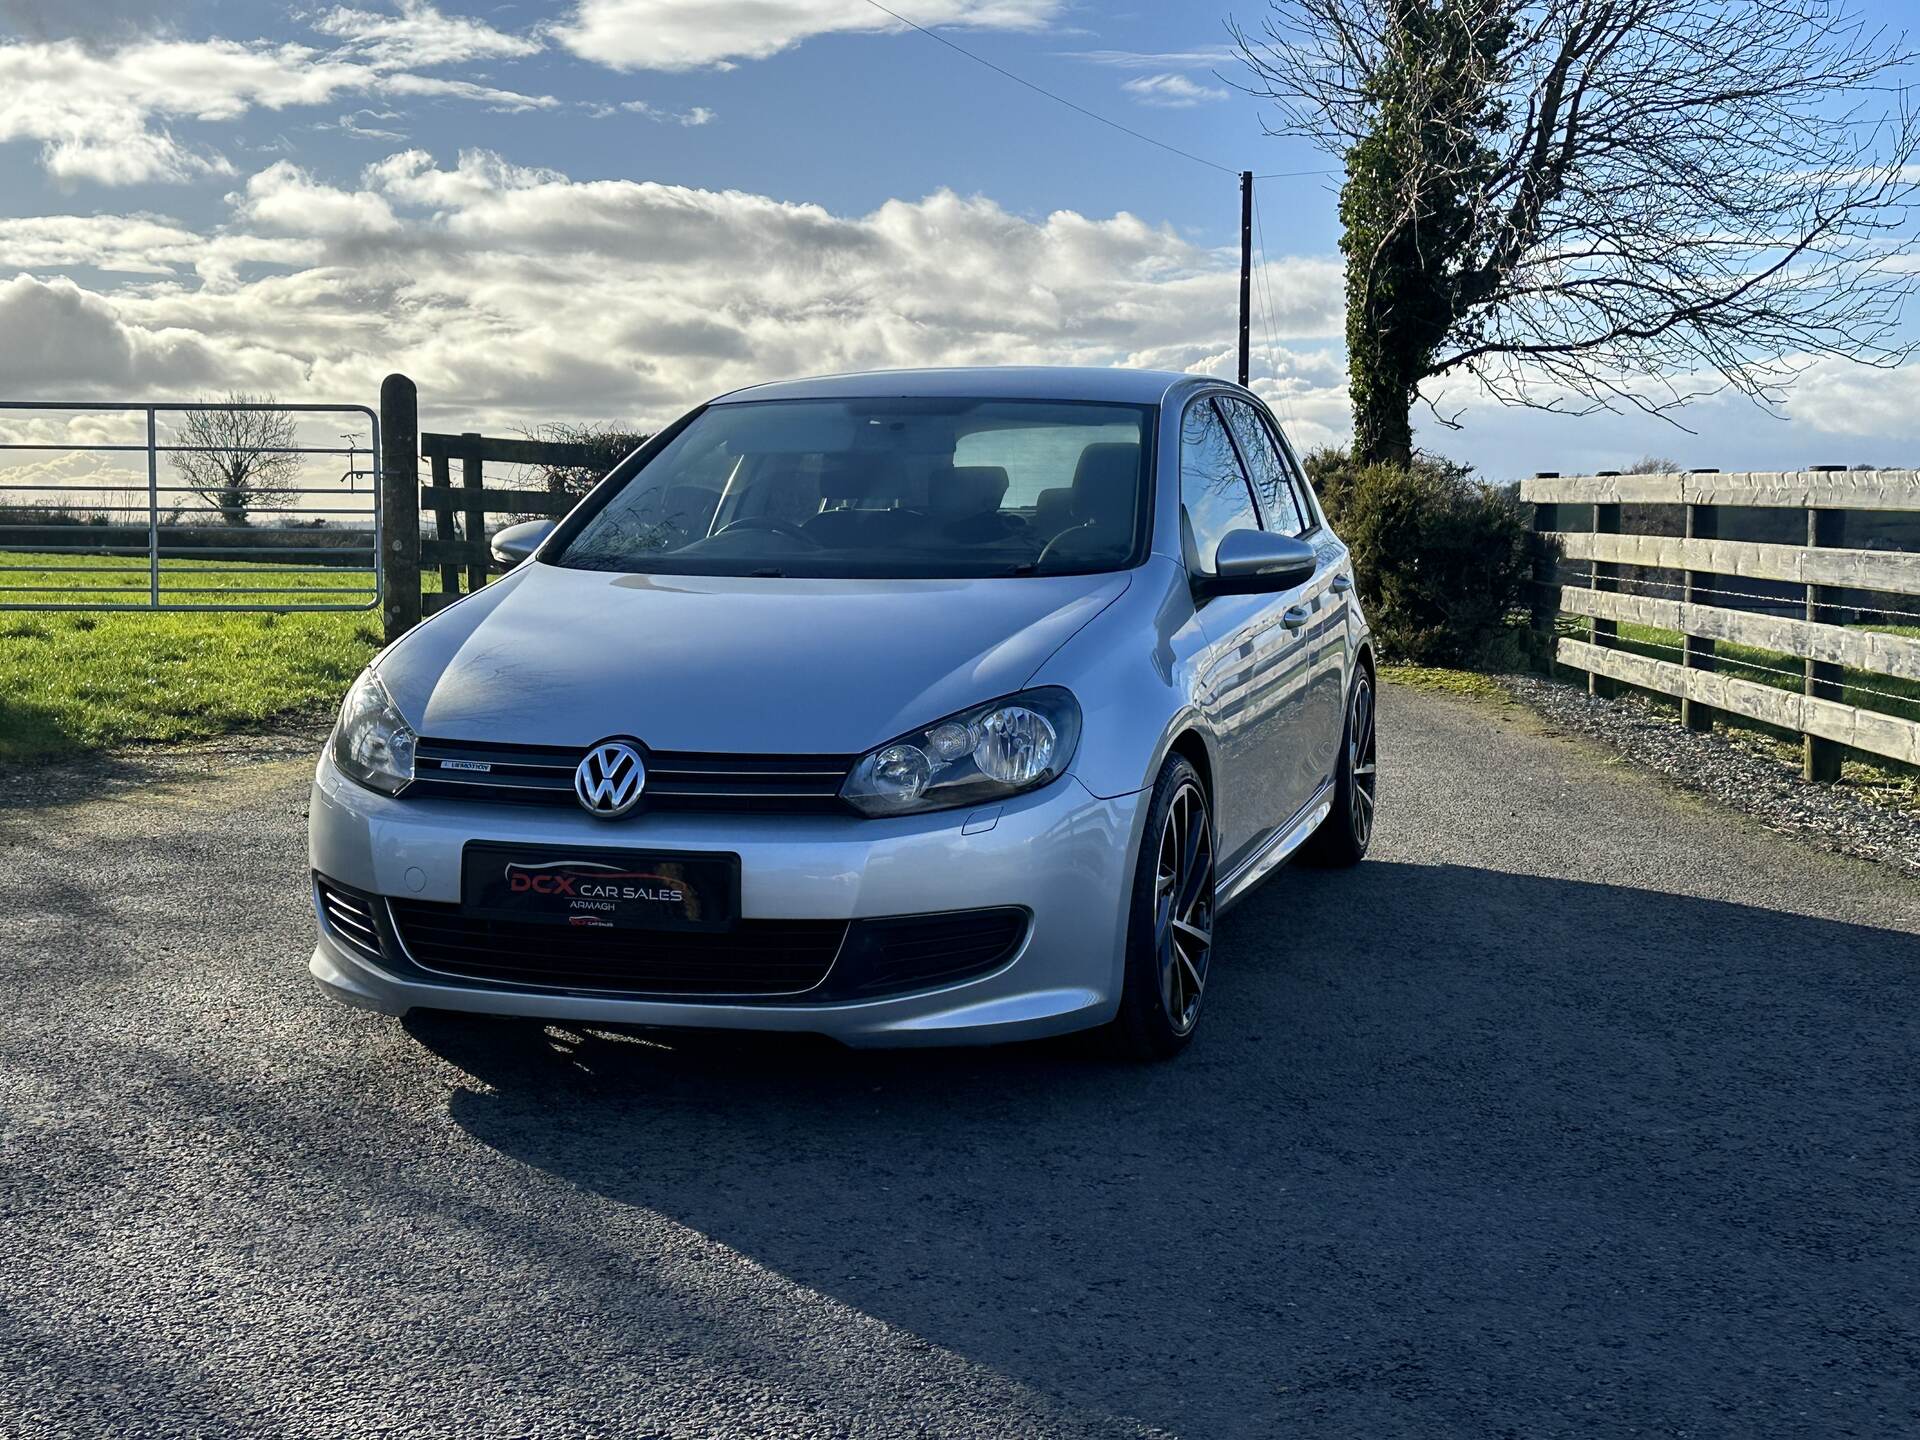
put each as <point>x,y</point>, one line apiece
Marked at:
<point>766,522</point>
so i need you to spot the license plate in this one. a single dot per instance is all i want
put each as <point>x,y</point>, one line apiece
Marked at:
<point>624,889</point>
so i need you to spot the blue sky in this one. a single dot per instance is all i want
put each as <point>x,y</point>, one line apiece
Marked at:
<point>616,207</point>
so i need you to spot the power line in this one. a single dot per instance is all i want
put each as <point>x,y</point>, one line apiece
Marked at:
<point>1269,319</point>
<point>1264,285</point>
<point>1058,99</point>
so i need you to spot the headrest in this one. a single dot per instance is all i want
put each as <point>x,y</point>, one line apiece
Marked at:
<point>1053,509</point>
<point>845,477</point>
<point>1105,484</point>
<point>964,490</point>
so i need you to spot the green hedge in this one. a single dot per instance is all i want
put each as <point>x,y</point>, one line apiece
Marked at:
<point>1441,559</point>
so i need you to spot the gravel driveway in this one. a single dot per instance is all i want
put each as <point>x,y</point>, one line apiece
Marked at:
<point>1583,1109</point>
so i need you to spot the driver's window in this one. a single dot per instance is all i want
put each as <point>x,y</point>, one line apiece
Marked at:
<point>1213,489</point>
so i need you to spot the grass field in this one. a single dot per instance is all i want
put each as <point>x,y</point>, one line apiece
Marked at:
<point>73,681</point>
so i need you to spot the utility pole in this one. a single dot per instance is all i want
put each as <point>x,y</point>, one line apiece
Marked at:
<point>1246,273</point>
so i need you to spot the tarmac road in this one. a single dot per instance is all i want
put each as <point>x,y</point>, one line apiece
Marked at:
<point>1582,1109</point>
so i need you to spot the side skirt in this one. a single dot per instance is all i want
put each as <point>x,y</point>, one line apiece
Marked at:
<point>1273,853</point>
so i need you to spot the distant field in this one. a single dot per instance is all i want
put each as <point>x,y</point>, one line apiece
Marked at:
<point>72,681</point>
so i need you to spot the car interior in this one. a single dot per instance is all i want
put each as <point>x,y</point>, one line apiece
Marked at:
<point>882,500</point>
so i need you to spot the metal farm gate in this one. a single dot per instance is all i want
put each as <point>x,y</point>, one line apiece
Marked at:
<point>109,505</point>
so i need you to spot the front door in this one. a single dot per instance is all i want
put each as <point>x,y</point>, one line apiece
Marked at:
<point>1257,668</point>
<point>1286,508</point>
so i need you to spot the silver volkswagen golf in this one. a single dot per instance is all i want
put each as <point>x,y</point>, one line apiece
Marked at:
<point>911,708</point>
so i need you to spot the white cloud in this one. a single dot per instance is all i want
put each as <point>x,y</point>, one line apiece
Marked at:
<point>420,35</point>
<point>438,85</point>
<point>284,199</point>
<point>1156,60</point>
<point>410,178</point>
<point>129,244</point>
<point>1837,398</point>
<point>513,294</point>
<point>698,115</point>
<point>369,125</point>
<point>1171,91</point>
<point>689,34</point>
<point>103,115</point>
<point>67,340</point>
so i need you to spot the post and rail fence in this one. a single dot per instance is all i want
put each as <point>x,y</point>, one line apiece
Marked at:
<point>1716,560</point>
<point>458,546</point>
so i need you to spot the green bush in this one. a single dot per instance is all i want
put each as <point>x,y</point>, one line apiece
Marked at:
<point>1441,560</point>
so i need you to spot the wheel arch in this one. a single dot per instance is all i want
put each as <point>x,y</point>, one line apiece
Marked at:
<point>1191,745</point>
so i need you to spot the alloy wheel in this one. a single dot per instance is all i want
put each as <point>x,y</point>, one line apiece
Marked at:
<point>1183,906</point>
<point>1361,762</point>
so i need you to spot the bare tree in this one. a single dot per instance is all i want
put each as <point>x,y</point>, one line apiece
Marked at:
<point>1654,465</point>
<point>1601,204</point>
<point>237,460</point>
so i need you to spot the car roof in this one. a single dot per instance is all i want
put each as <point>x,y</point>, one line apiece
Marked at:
<point>980,382</point>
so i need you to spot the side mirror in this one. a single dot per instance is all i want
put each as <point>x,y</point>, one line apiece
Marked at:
<point>1257,562</point>
<point>518,542</point>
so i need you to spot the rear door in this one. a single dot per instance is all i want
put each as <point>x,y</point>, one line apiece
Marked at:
<point>1254,670</point>
<point>1286,508</point>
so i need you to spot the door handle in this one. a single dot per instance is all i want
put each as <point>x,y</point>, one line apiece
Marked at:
<point>1296,617</point>
<point>1341,584</point>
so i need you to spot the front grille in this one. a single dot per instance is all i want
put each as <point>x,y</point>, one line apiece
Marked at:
<point>676,780</point>
<point>755,958</point>
<point>348,917</point>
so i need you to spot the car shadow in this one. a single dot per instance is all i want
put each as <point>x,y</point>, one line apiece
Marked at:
<point>1457,1150</point>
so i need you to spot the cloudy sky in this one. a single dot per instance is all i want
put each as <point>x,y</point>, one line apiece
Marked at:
<point>615,208</point>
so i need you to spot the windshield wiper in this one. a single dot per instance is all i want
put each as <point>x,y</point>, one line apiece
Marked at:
<point>766,574</point>
<point>1025,567</point>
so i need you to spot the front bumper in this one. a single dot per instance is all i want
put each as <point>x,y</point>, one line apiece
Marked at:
<point>1062,854</point>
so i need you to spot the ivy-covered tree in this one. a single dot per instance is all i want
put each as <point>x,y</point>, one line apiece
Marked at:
<point>1595,204</point>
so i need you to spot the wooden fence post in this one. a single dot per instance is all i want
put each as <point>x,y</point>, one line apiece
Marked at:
<point>475,533</point>
<point>1696,588</point>
<point>1606,633</point>
<point>443,531</point>
<point>1546,575</point>
<point>400,503</point>
<point>1821,759</point>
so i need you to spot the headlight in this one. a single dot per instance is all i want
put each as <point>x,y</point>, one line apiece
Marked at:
<point>986,753</point>
<point>373,743</point>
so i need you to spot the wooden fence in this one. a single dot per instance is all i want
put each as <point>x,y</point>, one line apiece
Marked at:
<point>1593,568</point>
<point>458,546</point>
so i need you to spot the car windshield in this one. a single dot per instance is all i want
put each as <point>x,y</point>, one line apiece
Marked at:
<point>883,489</point>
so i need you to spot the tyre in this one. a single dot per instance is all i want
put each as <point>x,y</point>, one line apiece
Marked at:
<point>1343,837</point>
<point>1170,920</point>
